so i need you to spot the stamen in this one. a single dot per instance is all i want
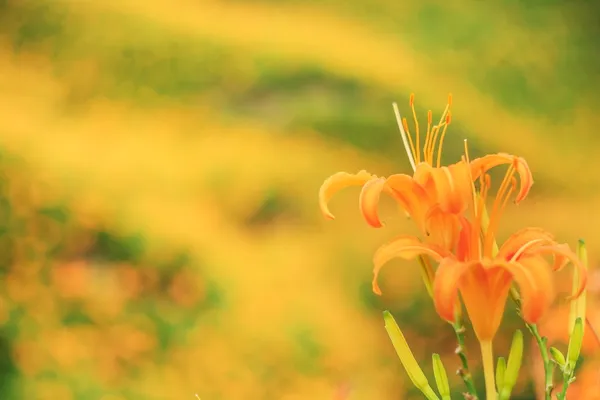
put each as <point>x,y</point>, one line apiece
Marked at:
<point>443,117</point>
<point>417,136</point>
<point>507,187</point>
<point>448,120</point>
<point>475,232</point>
<point>429,154</point>
<point>484,186</point>
<point>429,133</point>
<point>412,147</point>
<point>409,150</point>
<point>436,130</point>
<point>467,159</point>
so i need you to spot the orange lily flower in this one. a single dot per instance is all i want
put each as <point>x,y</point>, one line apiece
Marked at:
<point>434,196</point>
<point>482,277</point>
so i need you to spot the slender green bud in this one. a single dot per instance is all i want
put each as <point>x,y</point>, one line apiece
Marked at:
<point>575,343</point>
<point>410,364</point>
<point>441,378</point>
<point>500,371</point>
<point>558,357</point>
<point>515,357</point>
<point>578,305</point>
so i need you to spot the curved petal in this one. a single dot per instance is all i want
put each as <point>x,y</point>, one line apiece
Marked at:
<point>562,255</point>
<point>445,286</point>
<point>561,259</point>
<point>368,201</point>
<point>535,284</point>
<point>402,188</point>
<point>481,165</point>
<point>522,241</point>
<point>450,186</point>
<point>423,177</point>
<point>337,182</point>
<point>407,247</point>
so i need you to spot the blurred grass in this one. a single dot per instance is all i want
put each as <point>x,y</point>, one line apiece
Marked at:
<point>162,236</point>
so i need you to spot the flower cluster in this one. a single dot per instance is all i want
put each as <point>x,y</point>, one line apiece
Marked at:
<point>458,212</point>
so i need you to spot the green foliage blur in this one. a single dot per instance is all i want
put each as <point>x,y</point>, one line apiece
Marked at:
<point>160,164</point>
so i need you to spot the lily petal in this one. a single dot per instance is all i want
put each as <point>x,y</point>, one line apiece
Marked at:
<point>406,247</point>
<point>535,284</point>
<point>445,286</point>
<point>523,240</point>
<point>562,252</point>
<point>451,186</point>
<point>411,195</point>
<point>485,163</point>
<point>484,289</point>
<point>369,201</point>
<point>443,227</point>
<point>337,182</point>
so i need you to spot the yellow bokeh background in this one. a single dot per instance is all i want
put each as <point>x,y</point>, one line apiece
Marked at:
<point>160,168</point>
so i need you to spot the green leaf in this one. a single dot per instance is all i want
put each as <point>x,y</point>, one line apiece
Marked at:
<point>410,364</point>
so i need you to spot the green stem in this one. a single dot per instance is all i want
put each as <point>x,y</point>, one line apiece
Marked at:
<point>464,372</point>
<point>548,366</point>
<point>563,394</point>
<point>542,345</point>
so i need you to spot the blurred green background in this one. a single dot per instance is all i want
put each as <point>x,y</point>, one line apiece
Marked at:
<point>160,163</point>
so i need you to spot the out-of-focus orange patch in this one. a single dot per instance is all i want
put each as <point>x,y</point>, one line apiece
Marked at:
<point>130,342</point>
<point>71,280</point>
<point>107,366</point>
<point>19,289</point>
<point>556,327</point>
<point>67,347</point>
<point>105,299</point>
<point>184,289</point>
<point>29,356</point>
<point>131,281</point>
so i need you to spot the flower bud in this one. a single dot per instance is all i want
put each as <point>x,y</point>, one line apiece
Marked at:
<point>441,378</point>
